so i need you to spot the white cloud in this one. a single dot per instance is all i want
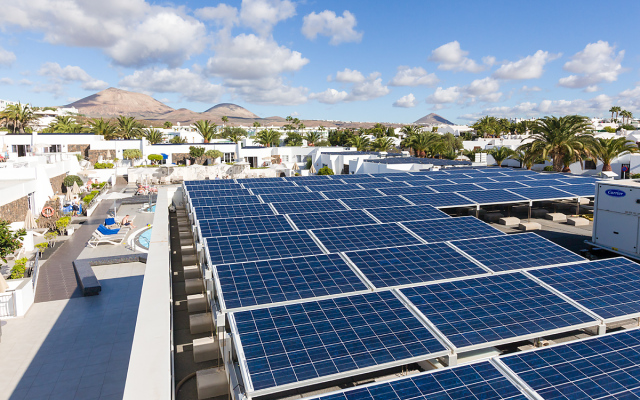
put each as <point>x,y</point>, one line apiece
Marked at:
<point>591,89</point>
<point>6,57</point>
<point>329,96</point>
<point>631,93</point>
<point>131,32</point>
<point>370,89</point>
<point>71,74</point>
<point>407,101</point>
<point>452,58</point>
<point>25,82</point>
<point>6,81</point>
<point>326,23</point>
<point>530,67</point>
<point>191,86</point>
<point>270,90</point>
<point>481,87</point>
<point>441,96</point>
<point>417,76</point>
<point>527,89</point>
<point>480,90</point>
<point>222,14</point>
<point>597,63</point>
<point>348,76</point>
<point>263,15</point>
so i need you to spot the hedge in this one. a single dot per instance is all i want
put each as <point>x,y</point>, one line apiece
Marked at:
<point>102,165</point>
<point>87,199</point>
<point>69,179</point>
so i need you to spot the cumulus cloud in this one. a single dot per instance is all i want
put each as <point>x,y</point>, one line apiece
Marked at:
<point>481,87</point>
<point>407,101</point>
<point>452,58</point>
<point>530,67</point>
<point>597,63</point>
<point>131,32</point>
<point>329,96</point>
<point>371,88</point>
<point>263,15</point>
<point>6,81</point>
<point>417,76</point>
<point>347,76</point>
<point>6,57</point>
<point>327,23</point>
<point>362,88</point>
<point>442,96</point>
<point>528,89</point>
<point>222,14</point>
<point>269,90</point>
<point>480,90</point>
<point>70,74</point>
<point>190,85</point>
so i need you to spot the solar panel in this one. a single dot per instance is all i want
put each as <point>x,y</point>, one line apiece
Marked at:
<point>286,197</point>
<point>463,187</point>
<point>494,309</point>
<point>432,182</point>
<point>475,180</point>
<point>501,185</point>
<point>222,186</point>
<point>400,191</point>
<point>475,381</point>
<point>457,175</point>
<point>521,172</point>
<point>366,180</point>
<point>274,281</point>
<point>260,180</point>
<point>332,186</point>
<point>243,226</point>
<point>428,173</point>
<point>210,182</point>
<point>261,246</point>
<point>600,367</point>
<point>493,174</point>
<point>407,178</point>
<point>390,173</point>
<point>545,182</point>
<point>607,287</point>
<point>406,213</point>
<point>373,202</point>
<point>547,176</point>
<point>512,178</point>
<point>219,192</point>
<point>274,183</point>
<point>308,206</point>
<point>241,210</point>
<point>441,230</point>
<point>439,199</point>
<point>525,250</point>
<point>224,200</point>
<point>582,190</point>
<point>380,185</point>
<point>275,190</point>
<point>331,219</point>
<point>542,193</point>
<point>363,237</point>
<point>350,177</point>
<point>311,178</point>
<point>575,180</point>
<point>347,194</point>
<point>312,341</point>
<point>492,196</point>
<point>409,265</point>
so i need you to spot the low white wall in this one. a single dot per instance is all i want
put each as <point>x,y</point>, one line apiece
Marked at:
<point>18,299</point>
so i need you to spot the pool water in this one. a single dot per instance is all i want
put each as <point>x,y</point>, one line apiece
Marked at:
<point>145,238</point>
<point>152,209</point>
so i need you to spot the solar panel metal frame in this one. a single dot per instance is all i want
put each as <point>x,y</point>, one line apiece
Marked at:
<point>291,197</point>
<point>294,207</point>
<point>351,194</point>
<point>579,190</point>
<point>193,194</point>
<point>267,223</point>
<point>455,187</point>
<point>444,229</point>
<point>224,201</point>
<point>272,190</point>
<point>439,200</point>
<point>386,185</point>
<point>233,211</point>
<point>250,185</point>
<point>501,185</point>
<point>500,196</point>
<point>406,190</point>
<point>242,361</point>
<point>331,219</point>
<point>418,212</point>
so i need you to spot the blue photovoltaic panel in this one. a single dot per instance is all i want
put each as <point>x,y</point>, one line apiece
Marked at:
<point>432,182</point>
<point>475,180</point>
<point>542,193</point>
<point>288,279</point>
<point>501,185</point>
<point>471,382</point>
<point>526,250</point>
<point>215,193</point>
<point>308,206</point>
<point>575,180</point>
<point>544,182</point>
<point>351,176</point>
<point>331,219</point>
<point>373,202</point>
<point>309,179</point>
<point>463,187</point>
<point>330,186</point>
<point>492,196</point>
<point>364,237</point>
<point>582,190</point>
<point>260,180</point>
<point>439,199</point>
<point>610,288</point>
<point>388,174</point>
<point>493,174</point>
<point>286,197</point>
<point>407,178</point>
<point>243,226</point>
<point>429,173</point>
<point>347,194</point>
<point>441,230</point>
<point>547,176</point>
<point>380,185</point>
<point>276,190</point>
<point>242,210</point>
<point>214,188</point>
<point>406,213</point>
<point>366,180</point>
<point>224,200</point>
<point>457,175</point>
<point>317,339</point>
<point>407,265</point>
<point>274,183</point>
<point>209,182</point>
<point>261,246</point>
<point>401,191</point>
<point>479,311</point>
<point>600,367</point>
<point>512,178</point>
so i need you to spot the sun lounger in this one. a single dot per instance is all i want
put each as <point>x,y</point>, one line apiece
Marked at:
<point>108,236</point>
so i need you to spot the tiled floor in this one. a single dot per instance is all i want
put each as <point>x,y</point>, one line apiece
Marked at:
<point>76,348</point>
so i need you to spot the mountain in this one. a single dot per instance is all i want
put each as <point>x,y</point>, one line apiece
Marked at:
<point>433,119</point>
<point>113,102</point>
<point>229,110</point>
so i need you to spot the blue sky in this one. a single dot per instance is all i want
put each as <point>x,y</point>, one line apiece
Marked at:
<point>343,60</point>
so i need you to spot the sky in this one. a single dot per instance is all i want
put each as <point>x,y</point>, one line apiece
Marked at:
<point>376,61</point>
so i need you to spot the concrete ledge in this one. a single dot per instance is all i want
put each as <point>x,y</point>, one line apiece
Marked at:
<point>200,323</point>
<point>89,284</point>
<point>539,213</point>
<point>509,221</point>
<point>205,349</point>
<point>493,216</point>
<point>556,217</point>
<point>211,383</point>
<point>577,221</point>
<point>529,226</point>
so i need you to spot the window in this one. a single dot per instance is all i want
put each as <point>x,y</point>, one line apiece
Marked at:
<point>55,148</point>
<point>285,158</point>
<point>229,157</point>
<point>589,164</point>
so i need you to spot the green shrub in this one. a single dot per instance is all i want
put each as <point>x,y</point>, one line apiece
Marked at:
<point>98,185</point>
<point>62,223</point>
<point>79,157</point>
<point>18,269</point>
<point>102,165</point>
<point>309,163</point>
<point>548,168</point>
<point>69,179</point>
<point>196,152</point>
<point>154,158</point>
<point>213,154</point>
<point>325,171</point>
<point>635,176</point>
<point>42,246</point>
<point>87,199</point>
<point>132,154</point>
<point>50,236</point>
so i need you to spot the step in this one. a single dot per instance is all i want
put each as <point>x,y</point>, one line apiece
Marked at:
<point>509,221</point>
<point>193,286</point>
<point>191,272</point>
<point>529,226</point>
<point>205,349</point>
<point>556,217</point>
<point>211,383</point>
<point>197,303</point>
<point>577,221</point>
<point>200,323</point>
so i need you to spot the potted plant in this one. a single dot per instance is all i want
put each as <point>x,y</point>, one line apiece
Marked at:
<point>42,247</point>
<point>62,224</point>
<point>18,270</point>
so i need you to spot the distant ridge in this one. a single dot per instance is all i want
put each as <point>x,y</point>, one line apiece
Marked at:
<point>433,119</point>
<point>114,102</point>
<point>230,110</point>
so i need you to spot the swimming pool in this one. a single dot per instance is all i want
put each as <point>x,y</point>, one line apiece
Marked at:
<point>145,238</point>
<point>151,209</point>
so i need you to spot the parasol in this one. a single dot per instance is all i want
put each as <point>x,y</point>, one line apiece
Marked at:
<point>30,221</point>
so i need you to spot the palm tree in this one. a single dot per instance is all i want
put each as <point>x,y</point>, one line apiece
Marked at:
<point>20,115</point>
<point>382,144</point>
<point>487,126</point>
<point>562,139</point>
<point>361,143</point>
<point>421,142</point>
<point>525,156</point>
<point>206,129</point>
<point>500,154</point>
<point>523,127</point>
<point>235,134</point>
<point>615,109</point>
<point>256,124</point>
<point>104,128</point>
<point>167,125</point>
<point>177,140</point>
<point>626,116</point>
<point>128,127</point>
<point>224,119</point>
<point>268,137</point>
<point>153,136</point>
<point>410,130</point>
<point>312,137</point>
<point>607,150</point>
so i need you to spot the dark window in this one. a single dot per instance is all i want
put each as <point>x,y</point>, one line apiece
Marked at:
<point>589,164</point>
